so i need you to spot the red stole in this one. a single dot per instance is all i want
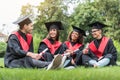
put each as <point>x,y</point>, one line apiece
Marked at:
<point>53,47</point>
<point>99,52</point>
<point>75,47</point>
<point>25,44</point>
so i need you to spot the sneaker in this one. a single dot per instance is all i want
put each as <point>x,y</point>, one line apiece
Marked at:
<point>55,63</point>
<point>70,67</point>
<point>63,61</point>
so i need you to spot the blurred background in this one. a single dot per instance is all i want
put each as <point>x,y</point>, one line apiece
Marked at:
<point>70,12</point>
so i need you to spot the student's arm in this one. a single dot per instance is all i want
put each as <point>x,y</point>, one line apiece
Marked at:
<point>61,49</point>
<point>42,46</point>
<point>14,46</point>
<point>111,51</point>
<point>79,50</point>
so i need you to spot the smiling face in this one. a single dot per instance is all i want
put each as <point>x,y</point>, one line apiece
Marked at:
<point>74,36</point>
<point>53,33</point>
<point>96,33</point>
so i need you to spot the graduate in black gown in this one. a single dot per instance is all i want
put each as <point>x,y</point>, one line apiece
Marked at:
<point>72,48</point>
<point>51,42</point>
<point>20,53</point>
<point>101,51</point>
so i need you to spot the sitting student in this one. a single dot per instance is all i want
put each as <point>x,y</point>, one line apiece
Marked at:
<point>72,48</point>
<point>101,51</point>
<point>51,43</point>
<point>19,52</point>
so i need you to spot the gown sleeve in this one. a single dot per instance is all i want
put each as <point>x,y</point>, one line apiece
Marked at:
<point>61,49</point>
<point>42,46</point>
<point>14,46</point>
<point>79,50</point>
<point>110,51</point>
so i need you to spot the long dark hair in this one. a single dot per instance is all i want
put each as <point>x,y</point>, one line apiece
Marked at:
<point>80,38</point>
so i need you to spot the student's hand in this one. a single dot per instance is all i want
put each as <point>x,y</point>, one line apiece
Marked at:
<point>72,61</point>
<point>39,56</point>
<point>69,51</point>
<point>100,58</point>
<point>32,55</point>
<point>85,51</point>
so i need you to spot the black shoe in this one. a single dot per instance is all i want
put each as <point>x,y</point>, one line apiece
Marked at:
<point>87,65</point>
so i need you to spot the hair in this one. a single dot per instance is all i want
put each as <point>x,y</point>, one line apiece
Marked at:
<point>53,26</point>
<point>80,38</point>
<point>25,22</point>
<point>57,36</point>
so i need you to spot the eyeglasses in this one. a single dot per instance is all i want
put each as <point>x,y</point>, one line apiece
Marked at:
<point>94,31</point>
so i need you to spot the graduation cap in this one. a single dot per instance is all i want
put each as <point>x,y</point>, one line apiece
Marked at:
<point>78,30</point>
<point>23,20</point>
<point>97,25</point>
<point>56,24</point>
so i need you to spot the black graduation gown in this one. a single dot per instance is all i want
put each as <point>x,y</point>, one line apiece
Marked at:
<point>109,52</point>
<point>15,56</point>
<point>77,54</point>
<point>47,56</point>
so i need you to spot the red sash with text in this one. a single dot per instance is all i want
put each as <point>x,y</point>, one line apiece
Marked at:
<point>75,47</point>
<point>53,47</point>
<point>99,52</point>
<point>25,44</point>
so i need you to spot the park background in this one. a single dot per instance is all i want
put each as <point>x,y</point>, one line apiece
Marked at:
<point>83,12</point>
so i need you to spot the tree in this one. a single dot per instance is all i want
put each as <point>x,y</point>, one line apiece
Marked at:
<point>85,13</point>
<point>52,10</point>
<point>111,10</point>
<point>106,11</point>
<point>27,9</point>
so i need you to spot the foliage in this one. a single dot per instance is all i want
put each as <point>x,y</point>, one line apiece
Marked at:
<point>36,40</point>
<point>27,9</point>
<point>86,12</point>
<point>111,10</point>
<point>106,11</point>
<point>2,48</point>
<point>51,10</point>
<point>117,45</point>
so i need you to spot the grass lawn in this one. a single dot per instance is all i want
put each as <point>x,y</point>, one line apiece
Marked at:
<point>81,73</point>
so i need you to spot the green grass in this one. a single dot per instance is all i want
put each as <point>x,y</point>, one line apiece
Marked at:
<point>107,73</point>
<point>1,62</point>
<point>81,73</point>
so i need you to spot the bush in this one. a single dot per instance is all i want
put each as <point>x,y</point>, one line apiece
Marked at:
<point>117,45</point>
<point>2,48</point>
<point>36,40</point>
